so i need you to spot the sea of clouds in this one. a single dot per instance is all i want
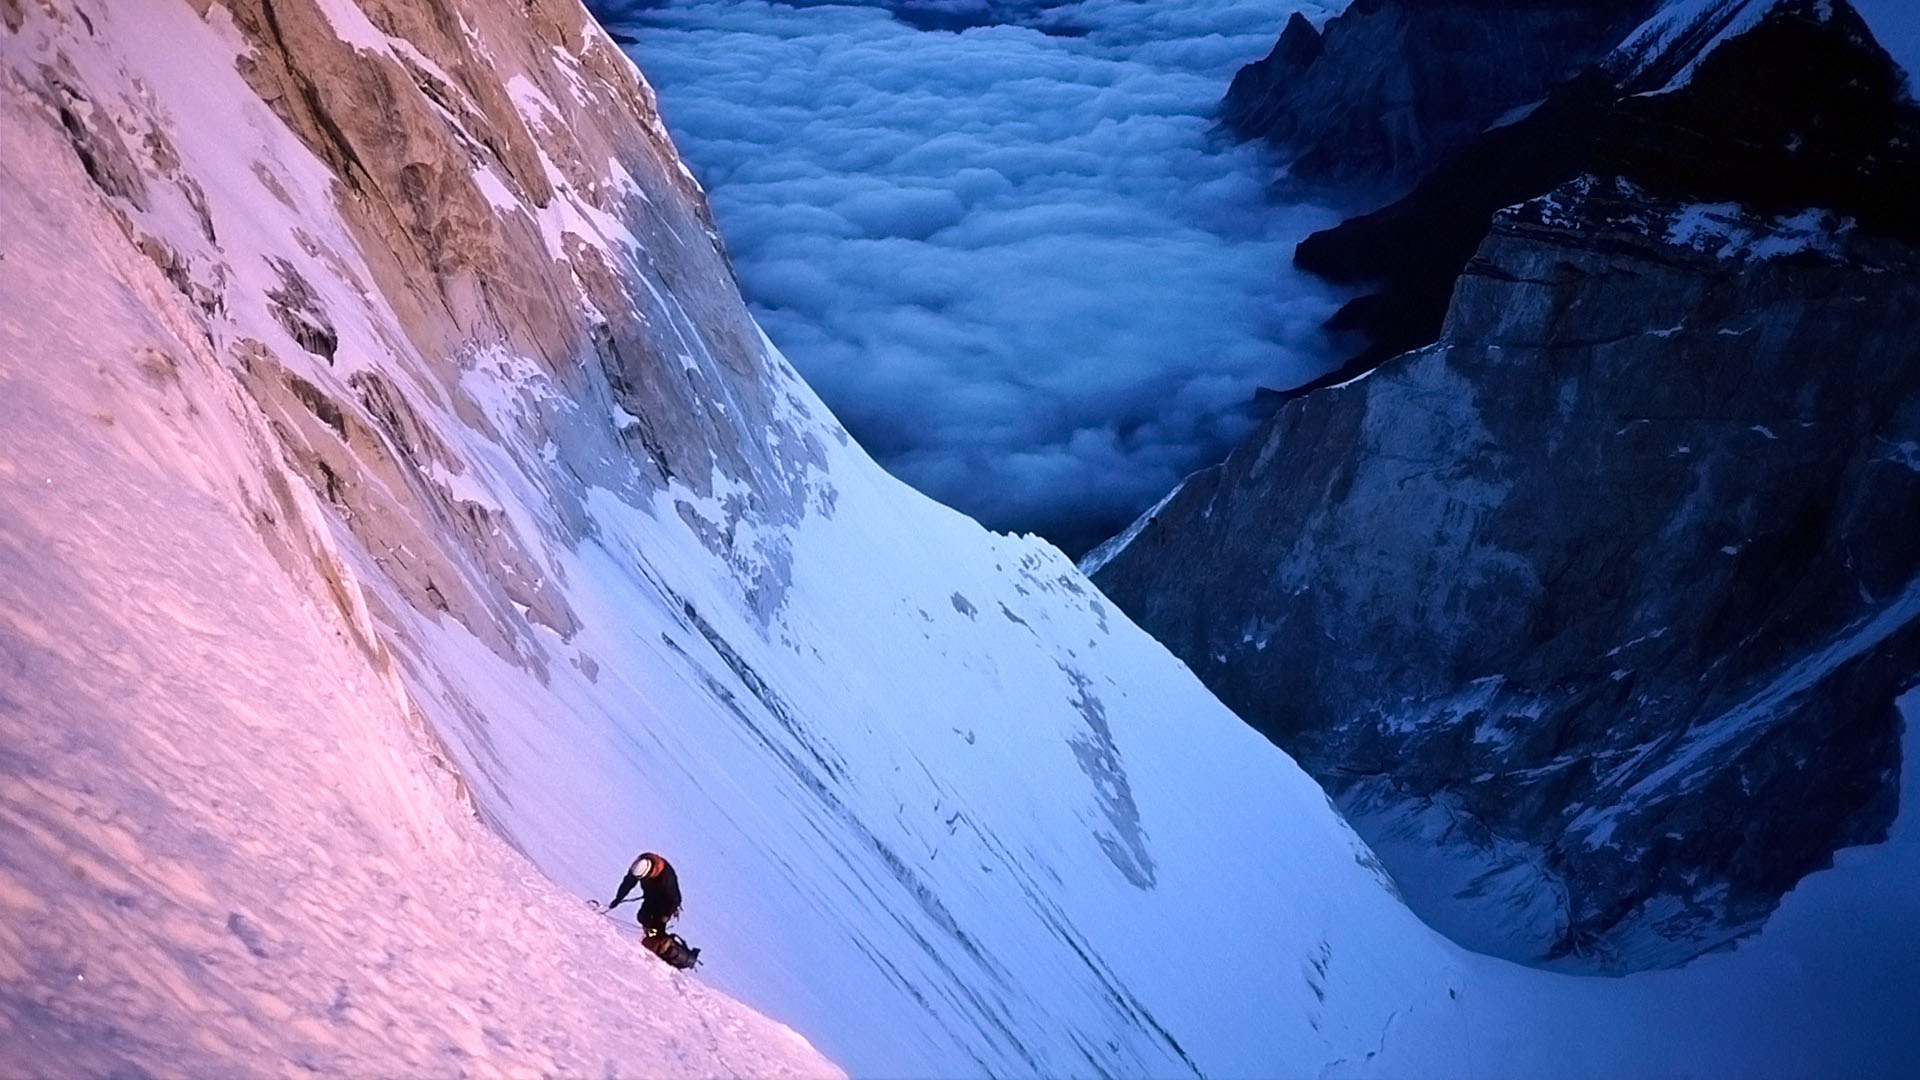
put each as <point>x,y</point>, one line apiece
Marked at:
<point>1021,266</point>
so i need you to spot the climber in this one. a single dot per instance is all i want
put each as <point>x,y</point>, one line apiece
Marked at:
<point>659,891</point>
<point>659,901</point>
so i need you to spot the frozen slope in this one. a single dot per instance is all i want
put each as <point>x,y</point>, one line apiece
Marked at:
<point>1829,987</point>
<point>226,847</point>
<point>933,804</point>
<point>398,408</point>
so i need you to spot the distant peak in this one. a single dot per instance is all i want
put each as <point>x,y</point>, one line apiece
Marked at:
<point>1664,53</point>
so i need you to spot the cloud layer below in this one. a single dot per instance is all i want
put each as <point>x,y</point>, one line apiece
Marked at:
<point>1021,267</point>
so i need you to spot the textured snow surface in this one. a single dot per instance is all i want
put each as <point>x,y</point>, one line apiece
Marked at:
<point>934,803</point>
<point>1695,27</point>
<point>226,847</point>
<point>1729,231</point>
<point>1723,230</point>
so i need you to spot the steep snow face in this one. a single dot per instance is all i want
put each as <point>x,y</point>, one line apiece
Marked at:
<point>1679,35</point>
<point>470,369</point>
<point>227,845</point>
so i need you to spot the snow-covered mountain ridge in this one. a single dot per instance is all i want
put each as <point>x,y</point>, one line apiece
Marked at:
<point>383,437</point>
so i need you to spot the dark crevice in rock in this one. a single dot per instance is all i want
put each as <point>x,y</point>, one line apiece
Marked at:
<point>95,140</point>
<point>296,307</point>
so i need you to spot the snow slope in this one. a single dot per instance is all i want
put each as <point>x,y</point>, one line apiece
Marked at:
<point>226,845</point>
<point>932,802</point>
<point>1829,987</point>
<point>299,507</point>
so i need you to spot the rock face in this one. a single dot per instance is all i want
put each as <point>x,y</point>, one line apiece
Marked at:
<point>1391,86</point>
<point>456,159</point>
<point>1800,107</point>
<point>1592,613</point>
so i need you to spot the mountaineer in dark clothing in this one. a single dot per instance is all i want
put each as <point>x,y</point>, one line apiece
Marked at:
<point>659,891</point>
<point>659,901</point>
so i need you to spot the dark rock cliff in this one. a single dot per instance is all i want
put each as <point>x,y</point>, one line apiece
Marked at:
<point>1392,85</point>
<point>1802,109</point>
<point>1594,610</point>
<point>1623,570</point>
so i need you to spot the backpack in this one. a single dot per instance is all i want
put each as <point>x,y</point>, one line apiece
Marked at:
<point>673,949</point>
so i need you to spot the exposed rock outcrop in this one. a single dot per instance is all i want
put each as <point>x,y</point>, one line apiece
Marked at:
<point>1800,108</point>
<point>464,146</point>
<point>1623,569</point>
<point>1391,86</point>
<point>1606,594</point>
